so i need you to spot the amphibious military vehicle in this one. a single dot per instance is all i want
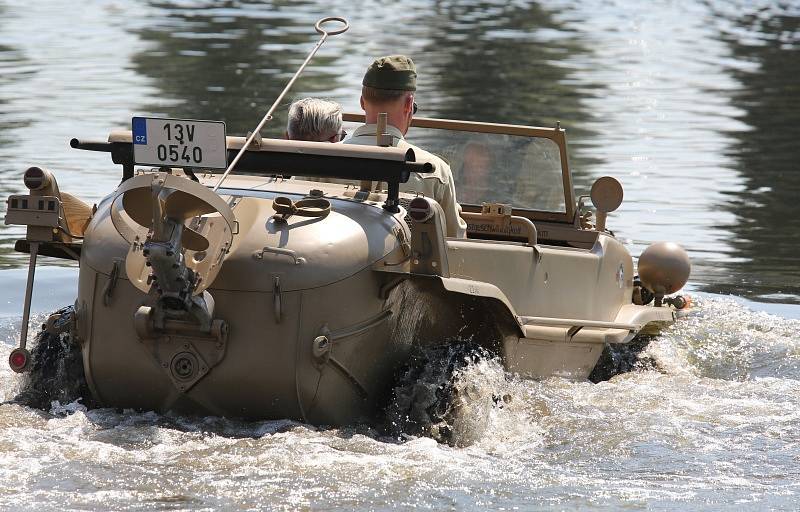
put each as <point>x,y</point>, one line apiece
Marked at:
<point>268,293</point>
<point>279,297</point>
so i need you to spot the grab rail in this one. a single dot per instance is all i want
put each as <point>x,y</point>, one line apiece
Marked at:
<point>573,322</point>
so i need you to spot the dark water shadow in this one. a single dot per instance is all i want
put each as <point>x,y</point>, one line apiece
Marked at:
<point>229,62</point>
<point>14,67</point>
<point>767,227</point>
<point>500,63</point>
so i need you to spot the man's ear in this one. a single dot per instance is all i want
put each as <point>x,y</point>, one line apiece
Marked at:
<point>361,100</point>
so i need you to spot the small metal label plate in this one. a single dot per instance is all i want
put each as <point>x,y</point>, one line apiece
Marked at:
<point>179,143</point>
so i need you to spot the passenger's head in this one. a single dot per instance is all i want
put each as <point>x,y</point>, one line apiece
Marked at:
<point>389,86</point>
<point>314,119</point>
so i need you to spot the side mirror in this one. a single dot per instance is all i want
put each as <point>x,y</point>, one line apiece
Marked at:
<point>606,197</point>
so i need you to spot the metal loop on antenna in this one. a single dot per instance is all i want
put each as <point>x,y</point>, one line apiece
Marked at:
<point>255,133</point>
<point>320,30</point>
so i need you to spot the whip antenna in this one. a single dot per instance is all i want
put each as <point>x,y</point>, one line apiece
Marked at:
<point>268,115</point>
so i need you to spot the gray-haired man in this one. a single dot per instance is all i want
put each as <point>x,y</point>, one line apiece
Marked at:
<point>314,119</point>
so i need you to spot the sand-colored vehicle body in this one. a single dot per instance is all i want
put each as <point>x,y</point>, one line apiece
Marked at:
<point>311,317</point>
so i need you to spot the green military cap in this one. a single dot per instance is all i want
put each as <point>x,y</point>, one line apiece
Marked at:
<point>395,72</point>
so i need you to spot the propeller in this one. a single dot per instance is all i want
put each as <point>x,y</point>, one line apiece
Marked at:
<point>178,205</point>
<point>150,207</point>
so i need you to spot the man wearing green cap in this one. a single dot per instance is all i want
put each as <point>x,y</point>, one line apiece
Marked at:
<point>388,86</point>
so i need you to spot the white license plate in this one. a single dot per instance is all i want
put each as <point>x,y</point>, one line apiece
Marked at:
<point>179,143</point>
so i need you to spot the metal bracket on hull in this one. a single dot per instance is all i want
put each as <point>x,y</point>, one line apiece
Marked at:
<point>322,351</point>
<point>277,299</point>
<point>323,345</point>
<point>111,285</point>
<point>182,350</point>
<point>186,367</point>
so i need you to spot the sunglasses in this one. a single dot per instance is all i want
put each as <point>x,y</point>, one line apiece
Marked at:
<point>414,108</point>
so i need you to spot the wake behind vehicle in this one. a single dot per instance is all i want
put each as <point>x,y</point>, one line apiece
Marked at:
<point>266,293</point>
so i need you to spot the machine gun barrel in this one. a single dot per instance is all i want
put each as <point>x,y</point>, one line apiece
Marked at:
<point>91,145</point>
<point>121,152</point>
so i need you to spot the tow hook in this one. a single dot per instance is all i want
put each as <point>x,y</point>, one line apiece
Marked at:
<point>678,302</point>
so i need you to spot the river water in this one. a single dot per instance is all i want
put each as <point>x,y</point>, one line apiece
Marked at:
<point>693,105</point>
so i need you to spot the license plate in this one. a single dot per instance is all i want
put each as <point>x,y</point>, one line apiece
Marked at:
<point>179,143</point>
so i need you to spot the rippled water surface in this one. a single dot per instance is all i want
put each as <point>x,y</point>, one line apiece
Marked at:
<point>693,105</point>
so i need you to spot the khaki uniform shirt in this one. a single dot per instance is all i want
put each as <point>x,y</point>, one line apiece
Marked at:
<point>437,185</point>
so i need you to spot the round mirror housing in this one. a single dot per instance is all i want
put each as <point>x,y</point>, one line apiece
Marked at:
<point>606,197</point>
<point>606,194</point>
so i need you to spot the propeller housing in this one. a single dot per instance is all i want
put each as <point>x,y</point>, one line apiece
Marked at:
<point>172,223</point>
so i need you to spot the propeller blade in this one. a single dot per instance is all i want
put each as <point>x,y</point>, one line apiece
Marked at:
<point>183,205</point>
<point>193,241</point>
<point>138,204</point>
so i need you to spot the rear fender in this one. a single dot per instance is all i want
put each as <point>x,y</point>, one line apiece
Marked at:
<point>477,311</point>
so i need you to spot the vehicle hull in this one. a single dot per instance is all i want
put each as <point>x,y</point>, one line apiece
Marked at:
<point>312,339</point>
<point>267,368</point>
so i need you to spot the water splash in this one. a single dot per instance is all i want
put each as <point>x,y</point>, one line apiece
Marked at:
<point>442,394</point>
<point>691,431</point>
<point>10,382</point>
<point>56,374</point>
<point>723,339</point>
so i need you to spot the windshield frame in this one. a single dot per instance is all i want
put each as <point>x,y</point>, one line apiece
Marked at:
<point>557,135</point>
